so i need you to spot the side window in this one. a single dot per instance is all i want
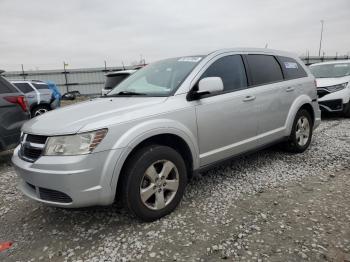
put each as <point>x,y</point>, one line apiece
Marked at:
<point>291,68</point>
<point>41,86</point>
<point>264,69</point>
<point>24,87</point>
<point>6,87</point>
<point>231,70</point>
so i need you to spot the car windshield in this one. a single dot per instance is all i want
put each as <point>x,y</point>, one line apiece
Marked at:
<point>331,70</point>
<point>157,79</point>
<point>114,80</point>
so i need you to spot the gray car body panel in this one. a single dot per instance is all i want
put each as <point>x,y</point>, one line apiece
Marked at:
<point>214,128</point>
<point>12,118</point>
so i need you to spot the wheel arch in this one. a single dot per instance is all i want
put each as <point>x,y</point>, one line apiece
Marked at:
<point>302,102</point>
<point>171,133</point>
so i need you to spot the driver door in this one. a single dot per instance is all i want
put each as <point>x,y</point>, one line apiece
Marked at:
<point>226,120</point>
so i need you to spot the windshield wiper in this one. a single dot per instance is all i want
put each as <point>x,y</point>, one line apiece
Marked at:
<point>126,93</point>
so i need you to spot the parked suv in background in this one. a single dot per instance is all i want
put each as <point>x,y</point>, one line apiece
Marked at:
<point>115,78</point>
<point>142,142</point>
<point>333,85</point>
<point>38,94</point>
<point>13,113</point>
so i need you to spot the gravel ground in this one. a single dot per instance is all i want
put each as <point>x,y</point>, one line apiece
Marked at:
<point>269,206</point>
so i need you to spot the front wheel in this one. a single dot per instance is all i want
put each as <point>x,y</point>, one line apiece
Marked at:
<point>300,137</point>
<point>154,182</point>
<point>346,110</point>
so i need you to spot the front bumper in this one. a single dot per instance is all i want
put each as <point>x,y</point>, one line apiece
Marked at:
<point>68,181</point>
<point>334,102</point>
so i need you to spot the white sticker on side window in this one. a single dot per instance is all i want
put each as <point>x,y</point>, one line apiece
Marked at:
<point>290,65</point>
<point>193,59</point>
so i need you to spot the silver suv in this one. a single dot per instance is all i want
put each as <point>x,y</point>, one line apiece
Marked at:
<point>143,141</point>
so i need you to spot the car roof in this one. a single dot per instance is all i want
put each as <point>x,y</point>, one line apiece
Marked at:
<point>333,62</point>
<point>122,72</point>
<point>254,50</point>
<point>29,81</point>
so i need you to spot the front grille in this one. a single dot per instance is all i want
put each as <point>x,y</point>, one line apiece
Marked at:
<point>32,153</point>
<point>36,139</point>
<point>332,105</point>
<point>54,196</point>
<point>32,147</point>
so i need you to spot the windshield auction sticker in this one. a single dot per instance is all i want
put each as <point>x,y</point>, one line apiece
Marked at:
<point>193,59</point>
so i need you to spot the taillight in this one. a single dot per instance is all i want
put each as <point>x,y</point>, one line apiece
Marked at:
<point>20,100</point>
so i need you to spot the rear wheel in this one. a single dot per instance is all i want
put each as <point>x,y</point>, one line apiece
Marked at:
<point>300,137</point>
<point>39,110</point>
<point>154,182</point>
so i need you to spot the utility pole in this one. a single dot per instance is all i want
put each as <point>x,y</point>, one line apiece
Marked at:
<point>24,76</point>
<point>319,50</point>
<point>65,74</point>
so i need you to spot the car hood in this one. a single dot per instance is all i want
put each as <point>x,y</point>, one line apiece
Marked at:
<point>99,113</point>
<point>322,82</point>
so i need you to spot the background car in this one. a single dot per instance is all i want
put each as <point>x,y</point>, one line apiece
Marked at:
<point>333,86</point>
<point>39,96</point>
<point>13,113</point>
<point>114,78</point>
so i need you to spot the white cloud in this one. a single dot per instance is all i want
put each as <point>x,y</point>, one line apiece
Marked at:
<point>43,33</point>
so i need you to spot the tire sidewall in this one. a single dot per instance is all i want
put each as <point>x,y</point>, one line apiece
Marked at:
<point>293,139</point>
<point>138,165</point>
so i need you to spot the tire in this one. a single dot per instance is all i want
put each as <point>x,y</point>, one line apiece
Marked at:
<point>346,110</point>
<point>303,125</point>
<point>149,204</point>
<point>39,110</point>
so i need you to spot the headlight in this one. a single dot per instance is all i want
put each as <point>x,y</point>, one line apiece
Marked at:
<point>335,88</point>
<point>78,144</point>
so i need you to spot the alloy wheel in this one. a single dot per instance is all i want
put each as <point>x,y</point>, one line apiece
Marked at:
<point>159,184</point>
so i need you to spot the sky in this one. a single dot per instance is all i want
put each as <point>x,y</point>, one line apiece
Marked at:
<point>41,34</point>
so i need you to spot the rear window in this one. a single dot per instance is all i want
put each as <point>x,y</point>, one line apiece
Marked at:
<point>24,87</point>
<point>41,86</point>
<point>264,69</point>
<point>291,68</point>
<point>6,87</point>
<point>113,81</point>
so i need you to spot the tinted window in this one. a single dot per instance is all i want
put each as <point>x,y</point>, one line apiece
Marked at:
<point>6,87</point>
<point>24,87</point>
<point>113,81</point>
<point>41,86</point>
<point>291,68</point>
<point>231,70</point>
<point>264,69</point>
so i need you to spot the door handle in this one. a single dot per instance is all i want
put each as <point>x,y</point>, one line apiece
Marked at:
<point>249,98</point>
<point>290,89</point>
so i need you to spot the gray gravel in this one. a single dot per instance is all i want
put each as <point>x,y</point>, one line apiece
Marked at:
<point>198,229</point>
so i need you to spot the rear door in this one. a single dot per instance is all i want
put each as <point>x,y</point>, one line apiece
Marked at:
<point>44,92</point>
<point>12,115</point>
<point>266,78</point>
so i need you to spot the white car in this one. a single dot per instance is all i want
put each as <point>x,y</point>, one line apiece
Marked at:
<point>115,78</point>
<point>333,85</point>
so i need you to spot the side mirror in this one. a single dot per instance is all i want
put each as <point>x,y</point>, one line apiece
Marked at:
<point>210,85</point>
